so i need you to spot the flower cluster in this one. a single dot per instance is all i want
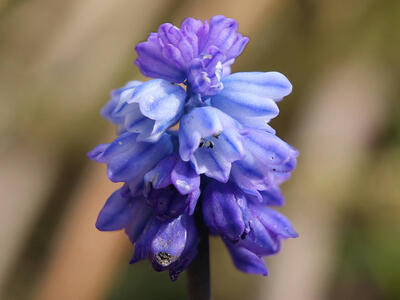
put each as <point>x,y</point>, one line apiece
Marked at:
<point>196,139</point>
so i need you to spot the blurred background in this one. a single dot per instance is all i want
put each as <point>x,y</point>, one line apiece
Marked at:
<point>60,59</point>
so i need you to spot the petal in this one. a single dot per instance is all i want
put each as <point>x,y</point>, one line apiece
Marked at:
<point>141,217</point>
<point>96,153</point>
<point>159,99</point>
<point>205,73</point>
<point>192,201</point>
<point>222,208</point>
<point>273,196</point>
<point>129,160</point>
<point>274,221</point>
<point>211,163</point>
<point>250,97</point>
<point>167,203</point>
<point>108,110</point>
<point>143,243</point>
<point>276,153</point>
<point>169,242</point>
<point>245,260</point>
<point>266,160</point>
<point>199,123</point>
<point>190,251</point>
<point>223,34</point>
<point>152,63</point>
<point>259,239</point>
<point>160,175</point>
<point>184,177</point>
<point>117,212</point>
<point>272,85</point>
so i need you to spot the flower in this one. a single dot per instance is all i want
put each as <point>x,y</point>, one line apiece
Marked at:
<point>211,140</point>
<point>268,162</point>
<point>199,52</point>
<point>128,160</point>
<point>148,108</point>
<point>194,145</point>
<point>169,245</point>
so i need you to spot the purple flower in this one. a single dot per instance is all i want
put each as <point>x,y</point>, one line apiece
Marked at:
<point>172,187</point>
<point>224,208</point>
<point>199,52</point>
<point>197,134</point>
<point>124,211</point>
<point>267,229</point>
<point>169,245</point>
<point>250,229</point>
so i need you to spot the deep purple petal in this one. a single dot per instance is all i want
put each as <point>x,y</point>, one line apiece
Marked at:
<point>169,242</point>
<point>274,221</point>
<point>245,260</point>
<point>129,160</point>
<point>152,63</point>
<point>117,212</point>
<point>222,208</point>
<point>184,177</point>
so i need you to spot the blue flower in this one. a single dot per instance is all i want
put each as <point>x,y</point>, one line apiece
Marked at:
<point>195,141</point>
<point>199,52</point>
<point>268,160</point>
<point>211,140</point>
<point>148,108</point>
<point>251,97</point>
<point>129,160</point>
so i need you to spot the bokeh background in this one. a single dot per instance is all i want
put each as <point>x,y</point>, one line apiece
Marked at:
<point>60,59</point>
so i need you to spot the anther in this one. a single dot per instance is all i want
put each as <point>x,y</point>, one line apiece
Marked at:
<point>209,144</point>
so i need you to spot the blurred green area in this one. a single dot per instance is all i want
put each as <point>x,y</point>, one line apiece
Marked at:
<point>54,80</point>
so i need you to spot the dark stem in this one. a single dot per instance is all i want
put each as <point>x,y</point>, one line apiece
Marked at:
<point>199,270</point>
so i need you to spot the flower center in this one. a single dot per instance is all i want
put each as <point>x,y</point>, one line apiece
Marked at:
<point>209,142</point>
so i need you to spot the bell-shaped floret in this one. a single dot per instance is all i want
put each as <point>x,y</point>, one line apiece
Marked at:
<point>151,109</point>
<point>129,160</point>
<point>267,158</point>
<point>211,140</point>
<point>245,260</point>
<point>250,97</point>
<point>117,97</point>
<point>169,245</point>
<point>267,228</point>
<point>224,208</point>
<point>122,210</point>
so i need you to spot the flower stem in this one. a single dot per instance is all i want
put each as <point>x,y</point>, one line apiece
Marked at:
<point>199,287</point>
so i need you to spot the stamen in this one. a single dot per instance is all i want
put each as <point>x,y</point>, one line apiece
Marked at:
<point>217,135</point>
<point>209,144</point>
